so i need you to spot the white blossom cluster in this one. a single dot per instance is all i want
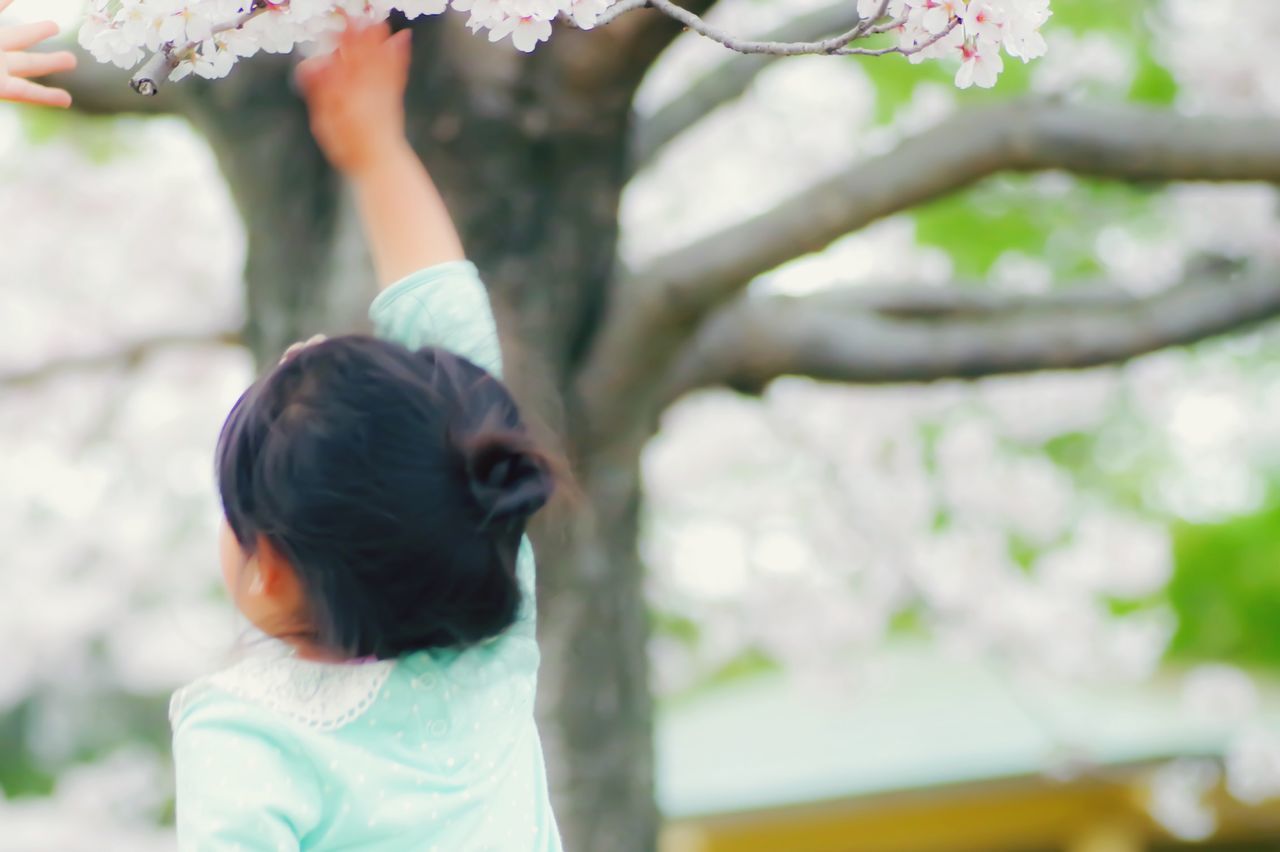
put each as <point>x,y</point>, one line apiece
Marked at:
<point>972,30</point>
<point>1242,80</point>
<point>208,37</point>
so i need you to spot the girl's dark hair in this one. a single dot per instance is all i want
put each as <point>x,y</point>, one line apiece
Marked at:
<point>398,485</point>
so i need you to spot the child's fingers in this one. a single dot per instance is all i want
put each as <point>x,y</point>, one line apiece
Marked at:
<point>39,64</point>
<point>22,36</point>
<point>309,72</point>
<point>24,91</point>
<point>403,42</point>
<point>399,51</point>
<point>377,34</point>
<point>362,39</point>
<point>349,41</point>
<point>295,348</point>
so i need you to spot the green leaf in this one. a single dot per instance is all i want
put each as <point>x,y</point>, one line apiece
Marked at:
<point>1072,451</point>
<point>97,138</point>
<point>1152,84</point>
<point>1119,16</point>
<point>677,626</point>
<point>1022,552</point>
<point>1226,590</point>
<point>1014,213</point>
<point>895,80</point>
<point>976,228</point>
<point>751,662</point>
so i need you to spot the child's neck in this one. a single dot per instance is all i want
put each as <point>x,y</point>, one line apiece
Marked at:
<point>311,652</point>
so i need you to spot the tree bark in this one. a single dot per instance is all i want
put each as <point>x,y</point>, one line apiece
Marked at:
<point>840,336</point>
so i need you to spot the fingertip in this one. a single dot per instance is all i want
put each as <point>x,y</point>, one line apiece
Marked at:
<point>309,72</point>
<point>374,34</point>
<point>302,76</point>
<point>351,34</point>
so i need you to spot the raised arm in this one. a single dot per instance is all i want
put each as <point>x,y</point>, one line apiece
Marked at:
<point>432,296</point>
<point>17,66</point>
<point>356,100</point>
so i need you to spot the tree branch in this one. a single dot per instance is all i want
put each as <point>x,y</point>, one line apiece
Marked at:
<point>1125,143</point>
<point>840,337</point>
<point>639,34</point>
<point>655,310</point>
<point>836,45</point>
<point>98,89</point>
<point>961,299</point>
<point>731,78</point>
<point>128,355</point>
<point>149,77</point>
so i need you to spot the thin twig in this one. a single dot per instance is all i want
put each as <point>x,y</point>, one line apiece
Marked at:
<point>835,46</point>
<point>778,48</point>
<point>905,51</point>
<point>611,14</point>
<point>865,26</point>
<point>889,27</point>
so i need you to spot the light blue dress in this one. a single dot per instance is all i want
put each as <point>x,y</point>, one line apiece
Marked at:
<point>434,751</point>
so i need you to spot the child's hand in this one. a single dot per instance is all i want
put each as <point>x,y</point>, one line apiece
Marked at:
<point>356,96</point>
<point>16,66</point>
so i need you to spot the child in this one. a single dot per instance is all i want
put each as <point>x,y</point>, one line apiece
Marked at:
<point>16,67</point>
<point>376,493</point>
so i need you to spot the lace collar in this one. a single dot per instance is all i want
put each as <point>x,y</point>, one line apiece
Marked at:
<point>319,696</point>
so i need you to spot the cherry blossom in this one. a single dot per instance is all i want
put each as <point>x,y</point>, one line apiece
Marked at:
<point>870,8</point>
<point>984,21</point>
<point>981,64</point>
<point>207,37</point>
<point>526,31</point>
<point>940,14</point>
<point>1022,37</point>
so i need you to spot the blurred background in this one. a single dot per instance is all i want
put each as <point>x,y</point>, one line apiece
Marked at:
<point>1023,612</point>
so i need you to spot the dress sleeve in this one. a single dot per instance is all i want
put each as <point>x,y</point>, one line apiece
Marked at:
<point>238,787</point>
<point>444,305</point>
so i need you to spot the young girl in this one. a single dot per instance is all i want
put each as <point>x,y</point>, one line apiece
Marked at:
<point>376,493</point>
<point>17,67</point>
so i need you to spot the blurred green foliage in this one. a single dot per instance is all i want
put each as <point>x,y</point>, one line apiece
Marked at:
<point>1007,214</point>
<point>97,138</point>
<point>1226,589</point>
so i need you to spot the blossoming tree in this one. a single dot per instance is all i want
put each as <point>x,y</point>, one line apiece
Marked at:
<point>534,153</point>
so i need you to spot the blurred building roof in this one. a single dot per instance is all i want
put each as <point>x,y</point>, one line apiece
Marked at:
<point>913,719</point>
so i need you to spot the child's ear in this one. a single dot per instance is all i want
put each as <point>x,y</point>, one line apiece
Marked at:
<point>274,576</point>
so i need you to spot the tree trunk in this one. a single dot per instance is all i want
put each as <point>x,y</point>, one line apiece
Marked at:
<point>530,154</point>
